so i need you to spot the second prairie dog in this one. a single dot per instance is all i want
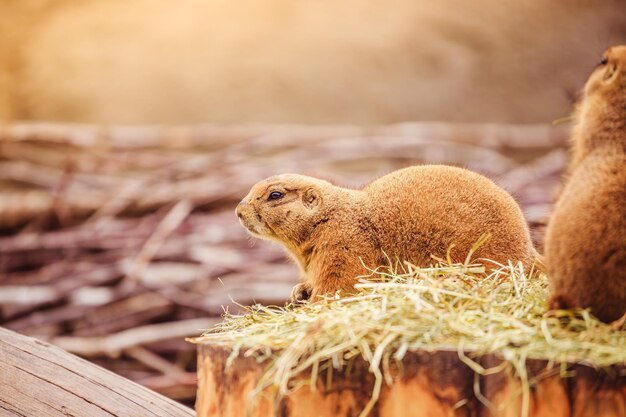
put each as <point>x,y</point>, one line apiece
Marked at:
<point>585,245</point>
<point>410,214</point>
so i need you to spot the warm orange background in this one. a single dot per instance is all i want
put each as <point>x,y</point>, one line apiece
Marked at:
<point>322,61</point>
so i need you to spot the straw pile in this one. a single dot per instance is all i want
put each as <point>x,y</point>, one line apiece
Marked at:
<point>446,307</point>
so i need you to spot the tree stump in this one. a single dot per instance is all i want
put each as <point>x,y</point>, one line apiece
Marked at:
<point>426,384</point>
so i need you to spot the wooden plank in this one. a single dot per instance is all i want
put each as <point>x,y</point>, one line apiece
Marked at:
<point>38,379</point>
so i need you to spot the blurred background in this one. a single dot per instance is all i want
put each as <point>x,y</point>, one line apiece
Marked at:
<point>280,61</point>
<point>130,129</point>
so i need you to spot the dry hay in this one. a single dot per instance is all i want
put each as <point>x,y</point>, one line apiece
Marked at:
<point>456,307</point>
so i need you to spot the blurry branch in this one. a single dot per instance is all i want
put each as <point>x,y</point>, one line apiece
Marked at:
<point>27,294</point>
<point>170,222</point>
<point>210,136</point>
<point>550,165</point>
<point>112,345</point>
<point>154,361</point>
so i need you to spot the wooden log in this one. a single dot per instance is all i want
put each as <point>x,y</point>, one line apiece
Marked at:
<point>426,384</point>
<point>430,385</point>
<point>588,392</point>
<point>38,379</point>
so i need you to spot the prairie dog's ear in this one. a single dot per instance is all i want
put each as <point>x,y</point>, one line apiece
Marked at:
<point>311,198</point>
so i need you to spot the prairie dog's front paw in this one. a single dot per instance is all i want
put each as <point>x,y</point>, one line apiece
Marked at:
<point>300,293</point>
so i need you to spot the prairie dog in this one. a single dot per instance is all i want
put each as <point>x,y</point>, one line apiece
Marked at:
<point>335,234</point>
<point>585,246</point>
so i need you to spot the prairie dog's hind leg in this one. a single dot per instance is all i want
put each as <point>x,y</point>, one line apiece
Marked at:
<point>561,302</point>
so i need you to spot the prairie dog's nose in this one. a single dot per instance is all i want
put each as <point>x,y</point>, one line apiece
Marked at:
<point>239,209</point>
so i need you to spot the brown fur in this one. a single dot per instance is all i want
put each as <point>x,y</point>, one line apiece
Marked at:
<point>410,214</point>
<point>586,236</point>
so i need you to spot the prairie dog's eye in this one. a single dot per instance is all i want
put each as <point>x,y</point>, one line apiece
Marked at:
<point>275,195</point>
<point>604,61</point>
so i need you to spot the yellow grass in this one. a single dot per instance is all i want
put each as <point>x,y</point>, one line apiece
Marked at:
<point>405,308</point>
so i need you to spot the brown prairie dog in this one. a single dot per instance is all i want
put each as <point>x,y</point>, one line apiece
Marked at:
<point>585,245</point>
<point>410,214</point>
